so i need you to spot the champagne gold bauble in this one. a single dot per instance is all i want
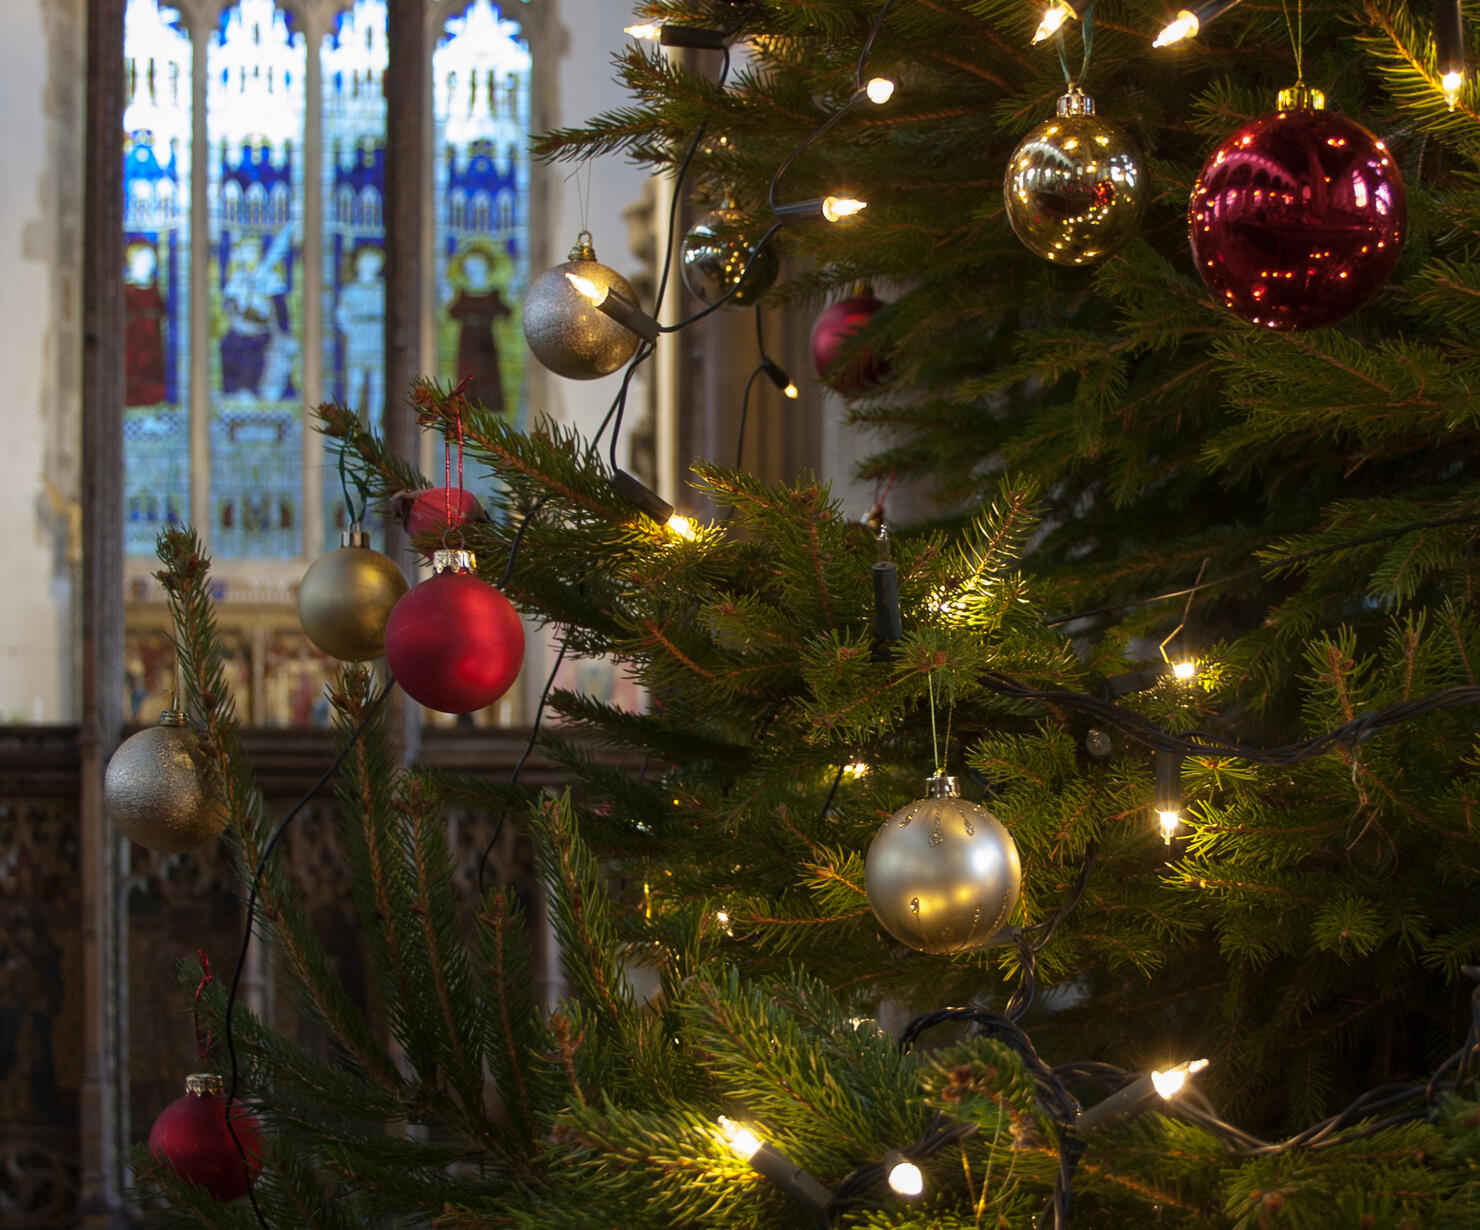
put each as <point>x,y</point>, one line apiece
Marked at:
<point>565,330</point>
<point>346,597</point>
<point>715,255</point>
<point>1074,187</point>
<point>942,874</point>
<point>158,788</point>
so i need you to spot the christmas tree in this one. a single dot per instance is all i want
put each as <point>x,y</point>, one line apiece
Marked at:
<point>1267,864</point>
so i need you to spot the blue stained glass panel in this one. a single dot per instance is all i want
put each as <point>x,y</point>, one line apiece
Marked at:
<point>157,132</point>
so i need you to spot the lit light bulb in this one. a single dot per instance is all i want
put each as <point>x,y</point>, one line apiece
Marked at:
<point>650,32</point>
<point>1184,670</point>
<point>879,90</point>
<point>1170,1082</point>
<point>1186,25</point>
<point>740,1138</point>
<point>1451,83</point>
<point>791,391</point>
<point>1054,17</point>
<point>836,208</point>
<point>586,287</point>
<point>722,917</point>
<point>855,770</point>
<point>682,527</point>
<point>1169,820</point>
<point>905,1178</point>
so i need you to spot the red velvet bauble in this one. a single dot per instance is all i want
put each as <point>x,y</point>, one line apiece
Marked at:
<point>426,510</point>
<point>454,643</point>
<point>191,1137</point>
<point>830,337</point>
<point>1297,219</point>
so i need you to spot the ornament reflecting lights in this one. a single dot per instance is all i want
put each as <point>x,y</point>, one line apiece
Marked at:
<point>1298,218</point>
<point>1074,188</point>
<point>942,874</point>
<point>565,330</point>
<point>346,597</point>
<point>714,255</point>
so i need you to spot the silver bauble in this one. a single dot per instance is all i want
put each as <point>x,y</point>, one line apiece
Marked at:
<point>158,788</point>
<point>566,332</point>
<point>942,874</point>
<point>714,255</point>
<point>1074,187</point>
<point>346,597</point>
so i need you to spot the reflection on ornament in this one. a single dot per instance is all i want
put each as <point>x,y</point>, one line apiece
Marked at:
<point>158,788</point>
<point>830,339</point>
<point>714,256</point>
<point>346,597</point>
<point>1297,219</point>
<point>566,332</point>
<point>191,1136</point>
<point>454,643</point>
<point>1074,187</point>
<point>942,874</point>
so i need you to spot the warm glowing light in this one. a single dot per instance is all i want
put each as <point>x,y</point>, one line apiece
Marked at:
<point>1170,1082</point>
<point>855,770</point>
<point>879,90</point>
<point>1169,820</point>
<point>680,525</point>
<point>643,31</point>
<point>836,208</point>
<point>586,287</point>
<point>722,917</point>
<point>791,391</point>
<point>1054,17</point>
<point>1185,26</point>
<point>906,1180</point>
<point>1184,670</point>
<point>1450,83</point>
<point>741,1138</point>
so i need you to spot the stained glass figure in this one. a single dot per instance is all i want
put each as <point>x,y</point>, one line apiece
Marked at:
<point>156,273</point>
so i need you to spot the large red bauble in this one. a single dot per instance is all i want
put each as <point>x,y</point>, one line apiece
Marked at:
<point>191,1137</point>
<point>830,337</point>
<point>454,643</point>
<point>1297,219</point>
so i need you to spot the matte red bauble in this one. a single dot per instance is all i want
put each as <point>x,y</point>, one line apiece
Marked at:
<point>830,337</point>
<point>191,1137</point>
<point>1298,218</point>
<point>453,642</point>
<point>426,510</point>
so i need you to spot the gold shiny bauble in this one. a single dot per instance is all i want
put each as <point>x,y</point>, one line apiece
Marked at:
<point>942,874</point>
<point>565,330</point>
<point>1075,188</point>
<point>158,788</point>
<point>715,255</point>
<point>346,597</point>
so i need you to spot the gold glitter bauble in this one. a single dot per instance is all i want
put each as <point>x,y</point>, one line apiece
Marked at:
<point>565,331</point>
<point>158,788</point>
<point>1074,187</point>
<point>346,597</point>
<point>714,255</point>
<point>942,874</point>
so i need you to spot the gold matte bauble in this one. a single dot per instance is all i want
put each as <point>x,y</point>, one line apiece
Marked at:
<point>714,255</point>
<point>942,874</point>
<point>1075,188</point>
<point>158,788</point>
<point>346,597</point>
<point>565,331</point>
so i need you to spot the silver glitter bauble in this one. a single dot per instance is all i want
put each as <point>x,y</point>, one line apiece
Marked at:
<point>942,874</point>
<point>158,788</point>
<point>566,332</point>
<point>346,597</point>
<point>1074,187</point>
<point>714,255</point>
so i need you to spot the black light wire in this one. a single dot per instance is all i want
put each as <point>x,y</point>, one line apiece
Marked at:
<point>241,959</point>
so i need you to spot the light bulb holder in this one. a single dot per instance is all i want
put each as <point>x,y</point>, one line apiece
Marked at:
<point>642,496</point>
<point>821,207</point>
<point>1168,781</point>
<point>626,313</point>
<point>1449,38</point>
<point>1124,1104</point>
<point>776,374</point>
<point>785,1174</point>
<point>695,37</point>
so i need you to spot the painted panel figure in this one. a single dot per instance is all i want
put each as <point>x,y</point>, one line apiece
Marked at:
<point>156,274</point>
<point>255,108</point>
<point>354,56</point>
<point>480,73</point>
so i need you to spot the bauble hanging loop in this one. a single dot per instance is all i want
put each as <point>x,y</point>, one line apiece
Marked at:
<point>454,643</point>
<point>192,1137</point>
<point>1075,188</point>
<point>346,597</point>
<point>159,790</point>
<point>942,875</point>
<point>565,330</point>
<point>716,258</point>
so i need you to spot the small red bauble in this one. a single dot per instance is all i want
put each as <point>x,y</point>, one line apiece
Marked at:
<point>1297,219</point>
<point>830,337</point>
<point>192,1138</point>
<point>454,643</point>
<point>425,511</point>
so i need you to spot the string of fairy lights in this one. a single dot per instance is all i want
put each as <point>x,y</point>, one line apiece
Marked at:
<point>1125,1094</point>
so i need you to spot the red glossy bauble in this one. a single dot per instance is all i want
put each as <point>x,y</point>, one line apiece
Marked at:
<point>454,643</point>
<point>426,510</point>
<point>830,337</point>
<point>1297,219</point>
<point>191,1136</point>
